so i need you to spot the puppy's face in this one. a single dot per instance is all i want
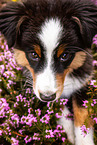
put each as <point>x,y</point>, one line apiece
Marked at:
<point>51,55</point>
<point>52,41</point>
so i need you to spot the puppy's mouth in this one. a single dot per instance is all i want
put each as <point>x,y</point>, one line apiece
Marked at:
<point>47,98</point>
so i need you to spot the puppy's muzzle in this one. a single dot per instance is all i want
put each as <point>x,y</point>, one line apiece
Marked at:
<point>46,98</point>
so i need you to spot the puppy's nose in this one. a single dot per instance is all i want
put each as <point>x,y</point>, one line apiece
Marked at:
<point>47,98</point>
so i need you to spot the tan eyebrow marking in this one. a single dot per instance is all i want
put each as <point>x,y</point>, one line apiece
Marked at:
<point>37,50</point>
<point>61,49</point>
<point>78,60</point>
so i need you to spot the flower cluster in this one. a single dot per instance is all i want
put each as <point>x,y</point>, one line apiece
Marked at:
<point>85,130</point>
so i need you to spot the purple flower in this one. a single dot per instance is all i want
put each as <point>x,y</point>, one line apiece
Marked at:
<point>63,101</point>
<point>50,111</point>
<point>38,112</point>
<point>0,90</point>
<point>30,110</point>
<point>85,130</point>
<point>7,54</point>
<point>14,141</point>
<point>1,132</point>
<point>48,104</point>
<point>4,107</point>
<point>63,139</point>
<point>94,63</point>
<point>30,119</point>
<point>27,139</point>
<point>7,74</point>
<point>95,101</point>
<point>23,119</point>
<point>93,83</point>
<point>69,116</point>
<point>85,102</point>
<point>36,136</point>
<point>16,104</point>
<point>19,98</point>
<point>2,69</point>
<point>15,118</point>
<point>95,119</point>
<point>28,90</point>
<point>49,134</point>
<point>45,119</point>
<point>58,115</point>
<point>21,131</point>
<point>58,131</point>
<point>59,127</point>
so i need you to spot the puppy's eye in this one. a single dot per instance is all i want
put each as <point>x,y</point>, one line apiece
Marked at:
<point>64,57</point>
<point>34,56</point>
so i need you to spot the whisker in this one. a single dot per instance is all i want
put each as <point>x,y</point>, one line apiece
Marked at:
<point>78,48</point>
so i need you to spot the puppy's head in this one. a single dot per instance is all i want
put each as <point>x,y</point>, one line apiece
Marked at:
<point>52,39</point>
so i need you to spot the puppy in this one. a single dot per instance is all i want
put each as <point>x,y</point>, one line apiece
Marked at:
<point>52,38</point>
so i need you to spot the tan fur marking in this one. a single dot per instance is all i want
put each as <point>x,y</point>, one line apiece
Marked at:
<point>21,59</point>
<point>37,50</point>
<point>60,81</point>
<point>78,61</point>
<point>81,115</point>
<point>61,49</point>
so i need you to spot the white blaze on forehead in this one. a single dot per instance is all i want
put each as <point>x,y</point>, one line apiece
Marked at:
<point>50,33</point>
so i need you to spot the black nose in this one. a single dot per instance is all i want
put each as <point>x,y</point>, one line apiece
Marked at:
<point>47,98</point>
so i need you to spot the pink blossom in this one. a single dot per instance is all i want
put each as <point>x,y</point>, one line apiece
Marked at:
<point>95,101</point>
<point>63,101</point>
<point>94,63</point>
<point>1,132</point>
<point>95,119</point>
<point>38,112</point>
<point>45,119</point>
<point>85,102</point>
<point>85,130</point>
<point>15,118</point>
<point>2,69</point>
<point>49,134</point>
<point>93,83</point>
<point>27,139</point>
<point>63,139</point>
<point>36,136</point>
<point>58,115</point>
<point>50,111</point>
<point>14,141</point>
<point>19,98</point>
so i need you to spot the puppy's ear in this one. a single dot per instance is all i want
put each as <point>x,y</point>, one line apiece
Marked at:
<point>11,17</point>
<point>86,19</point>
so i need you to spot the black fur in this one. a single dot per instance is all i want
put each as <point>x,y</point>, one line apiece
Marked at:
<point>33,13</point>
<point>20,22</point>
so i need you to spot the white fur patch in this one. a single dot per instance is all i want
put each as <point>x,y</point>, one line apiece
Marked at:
<point>50,34</point>
<point>45,83</point>
<point>72,84</point>
<point>81,140</point>
<point>67,125</point>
